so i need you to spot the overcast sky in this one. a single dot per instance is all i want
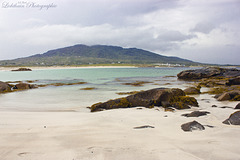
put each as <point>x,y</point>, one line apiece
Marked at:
<point>200,30</point>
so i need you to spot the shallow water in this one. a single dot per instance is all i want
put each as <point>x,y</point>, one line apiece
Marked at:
<point>106,81</point>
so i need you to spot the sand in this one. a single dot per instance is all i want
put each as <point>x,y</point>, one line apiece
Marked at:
<point>110,135</point>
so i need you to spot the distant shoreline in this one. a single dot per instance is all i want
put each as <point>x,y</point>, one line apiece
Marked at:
<point>62,67</point>
<point>9,68</point>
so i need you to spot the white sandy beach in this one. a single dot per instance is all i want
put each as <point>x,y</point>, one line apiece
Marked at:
<point>109,135</point>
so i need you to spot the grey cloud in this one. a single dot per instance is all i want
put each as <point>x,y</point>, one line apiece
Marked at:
<point>213,55</point>
<point>204,27</point>
<point>216,15</point>
<point>174,36</point>
<point>52,36</point>
<point>98,12</point>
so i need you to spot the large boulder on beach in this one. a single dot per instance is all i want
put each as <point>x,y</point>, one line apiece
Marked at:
<point>192,90</point>
<point>233,119</point>
<point>149,99</point>
<point>4,87</point>
<point>191,126</point>
<point>154,96</point>
<point>208,73</point>
<point>231,95</point>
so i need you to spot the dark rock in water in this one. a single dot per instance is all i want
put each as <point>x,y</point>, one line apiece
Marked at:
<point>24,86</point>
<point>149,99</point>
<point>196,114</point>
<point>237,106</point>
<point>192,90</point>
<point>232,95</point>
<point>4,87</point>
<point>190,126</point>
<point>214,105</point>
<point>208,72</point>
<point>142,127</point>
<point>22,69</point>
<point>233,81</point>
<point>233,119</point>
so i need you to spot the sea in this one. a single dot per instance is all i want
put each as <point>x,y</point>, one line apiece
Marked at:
<point>106,84</point>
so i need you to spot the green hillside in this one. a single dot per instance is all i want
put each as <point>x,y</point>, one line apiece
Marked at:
<point>97,54</point>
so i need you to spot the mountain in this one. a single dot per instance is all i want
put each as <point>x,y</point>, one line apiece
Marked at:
<point>98,54</point>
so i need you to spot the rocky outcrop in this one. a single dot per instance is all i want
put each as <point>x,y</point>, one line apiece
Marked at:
<point>192,90</point>
<point>232,95</point>
<point>22,69</point>
<point>233,81</point>
<point>4,87</point>
<point>23,86</point>
<point>233,119</point>
<point>191,126</point>
<point>208,73</point>
<point>150,98</point>
<point>196,114</point>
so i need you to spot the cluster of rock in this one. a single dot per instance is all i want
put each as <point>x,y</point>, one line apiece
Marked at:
<point>177,99</point>
<point>224,82</point>
<point>208,72</point>
<point>22,69</point>
<point>164,97</point>
<point>5,87</point>
<point>194,125</point>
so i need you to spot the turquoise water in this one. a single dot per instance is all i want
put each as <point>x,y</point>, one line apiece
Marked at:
<point>107,81</point>
<point>95,75</point>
